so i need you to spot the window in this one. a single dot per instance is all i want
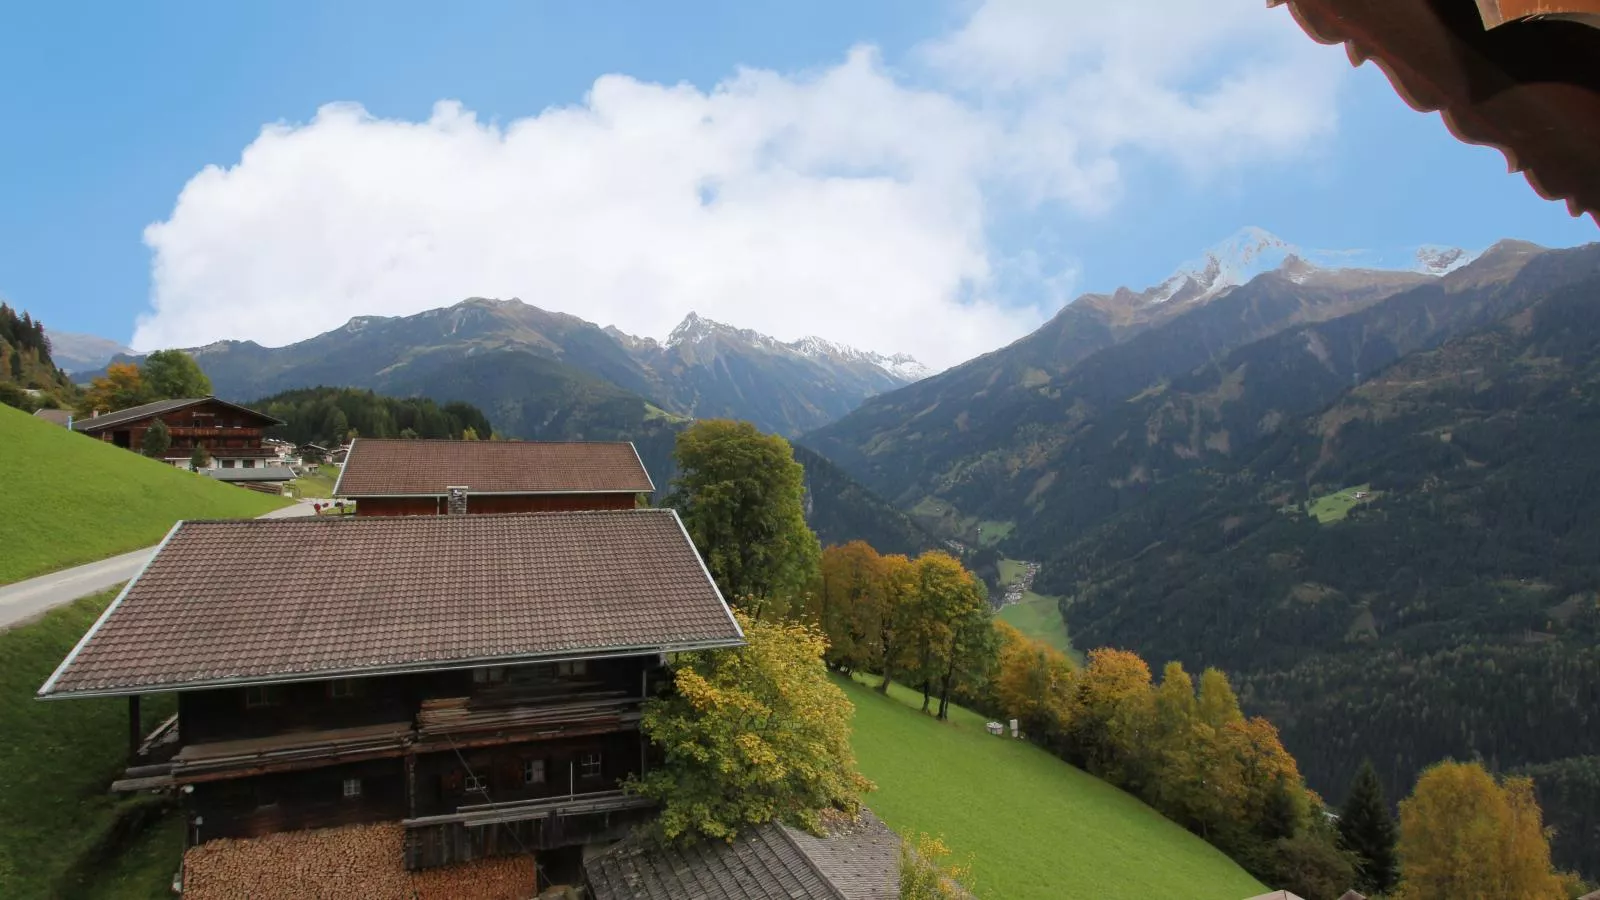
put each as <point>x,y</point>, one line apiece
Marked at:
<point>473,784</point>
<point>261,695</point>
<point>343,689</point>
<point>352,788</point>
<point>491,675</point>
<point>249,464</point>
<point>533,771</point>
<point>589,766</point>
<point>227,464</point>
<point>570,668</point>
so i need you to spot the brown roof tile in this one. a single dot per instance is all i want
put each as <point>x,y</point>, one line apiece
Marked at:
<point>280,599</point>
<point>386,468</point>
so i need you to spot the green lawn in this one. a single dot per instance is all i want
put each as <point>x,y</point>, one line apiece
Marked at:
<point>317,486</point>
<point>56,760</point>
<point>1335,507</point>
<point>991,532</point>
<point>71,499</point>
<point>1031,825</point>
<point>1038,615</point>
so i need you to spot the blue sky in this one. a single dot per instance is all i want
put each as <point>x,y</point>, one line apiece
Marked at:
<point>826,206</point>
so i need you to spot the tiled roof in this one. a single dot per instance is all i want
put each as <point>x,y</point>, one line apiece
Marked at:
<point>392,468</point>
<point>860,861</point>
<point>265,600</point>
<point>159,407</point>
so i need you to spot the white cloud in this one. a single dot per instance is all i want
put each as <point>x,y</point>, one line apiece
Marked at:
<point>850,202</point>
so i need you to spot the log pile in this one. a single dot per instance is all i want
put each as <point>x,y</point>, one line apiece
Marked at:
<point>359,862</point>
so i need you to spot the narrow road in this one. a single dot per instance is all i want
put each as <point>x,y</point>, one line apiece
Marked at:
<point>25,600</point>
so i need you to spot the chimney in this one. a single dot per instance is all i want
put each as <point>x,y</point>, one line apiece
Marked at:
<point>95,414</point>
<point>456,500</point>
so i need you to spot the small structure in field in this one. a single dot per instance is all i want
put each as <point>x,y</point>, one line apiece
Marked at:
<point>409,477</point>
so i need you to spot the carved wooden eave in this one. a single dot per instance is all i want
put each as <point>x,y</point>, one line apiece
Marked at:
<point>1522,76</point>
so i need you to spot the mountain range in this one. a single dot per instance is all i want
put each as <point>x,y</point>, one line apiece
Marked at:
<point>543,375</point>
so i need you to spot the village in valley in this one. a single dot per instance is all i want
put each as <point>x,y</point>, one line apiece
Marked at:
<point>362,578</point>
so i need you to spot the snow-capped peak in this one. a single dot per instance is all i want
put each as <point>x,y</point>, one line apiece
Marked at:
<point>696,329</point>
<point>1254,251</point>
<point>1249,252</point>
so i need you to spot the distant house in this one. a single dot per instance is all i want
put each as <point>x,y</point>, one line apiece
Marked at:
<point>475,680</point>
<point>55,416</point>
<point>854,861</point>
<point>1362,495</point>
<point>337,457</point>
<point>313,453</point>
<point>405,477</point>
<point>231,434</point>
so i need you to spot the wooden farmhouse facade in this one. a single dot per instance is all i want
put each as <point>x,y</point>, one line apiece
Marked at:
<point>477,679</point>
<point>414,477</point>
<point>231,434</point>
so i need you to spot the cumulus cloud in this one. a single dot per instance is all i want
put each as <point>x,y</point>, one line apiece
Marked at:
<point>856,202</point>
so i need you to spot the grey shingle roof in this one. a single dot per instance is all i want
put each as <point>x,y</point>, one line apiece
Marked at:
<point>278,599</point>
<point>394,468</point>
<point>859,861</point>
<point>258,473</point>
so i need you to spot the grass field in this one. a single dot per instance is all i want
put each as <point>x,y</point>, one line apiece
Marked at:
<point>991,532</point>
<point>56,760</point>
<point>1031,825</point>
<point>1335,507</point>
<point>1038,615</point>
<point>72,500</point>
<point>316,486</point>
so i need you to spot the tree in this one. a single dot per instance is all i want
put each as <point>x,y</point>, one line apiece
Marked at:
<point>925,876</point>
<point>173,375</point>
<point>750,736</point>
<point>848,603</point>
<point>199,459</point>
<point>1035,682</point>
<point>1367,830</point>
<point>156,440</point>
<point>1463,835</point>
<point>469,433</point>
<point>11,395</point>
<point>742,498</point>
<point>1098,734</point>
<point>120,388</point>
<point>899,578</point>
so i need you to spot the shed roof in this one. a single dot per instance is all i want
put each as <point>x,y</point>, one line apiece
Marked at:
<point>859,861</point>
<point>1526,86</point>
<point>402,468</point>
<point>270,600</point>
<point>254,473</point>
<point>159,407</point>
<point>54,416</point>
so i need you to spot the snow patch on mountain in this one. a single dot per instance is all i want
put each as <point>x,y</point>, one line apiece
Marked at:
<point>696,329</point>
<point>1252,252</point>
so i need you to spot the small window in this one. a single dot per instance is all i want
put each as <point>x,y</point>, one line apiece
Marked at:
<point>352,788</point>
<point>249,464</point>
<point>260,696</point>
<point>473,784</point>
<point>491,675</point>
<point>343,689</point>
<point>227,464</point>
<point>571,668</point>
<point>533,771</point>
<point>589,766</point>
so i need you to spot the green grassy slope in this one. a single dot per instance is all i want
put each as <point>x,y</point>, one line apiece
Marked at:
<point>1037,616</point>
<point>1032,826</point>
<point>71,500</point>
<point>56,760</point>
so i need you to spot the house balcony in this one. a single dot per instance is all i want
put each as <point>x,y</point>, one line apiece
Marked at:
<point>499,829</point>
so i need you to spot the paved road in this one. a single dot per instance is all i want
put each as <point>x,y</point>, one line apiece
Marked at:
<point>26,600</point>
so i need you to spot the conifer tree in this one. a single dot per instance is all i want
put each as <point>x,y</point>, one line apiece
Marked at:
<point>156,440</point>
<point>1368,830</point>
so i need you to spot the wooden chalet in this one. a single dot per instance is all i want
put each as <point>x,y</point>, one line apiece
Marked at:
<point>477,679</point>
<point>1518,75</point>
<point>413,477</point>
<point>231,434</point>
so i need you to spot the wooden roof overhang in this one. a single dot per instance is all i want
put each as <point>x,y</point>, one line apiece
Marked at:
<point>1522,76</point>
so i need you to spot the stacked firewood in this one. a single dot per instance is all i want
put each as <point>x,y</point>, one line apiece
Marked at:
<point>359,862</point>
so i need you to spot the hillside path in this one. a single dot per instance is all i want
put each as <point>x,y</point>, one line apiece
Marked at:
<point>25,600</point>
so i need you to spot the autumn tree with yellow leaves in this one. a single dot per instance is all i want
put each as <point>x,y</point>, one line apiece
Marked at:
<point>750,736</point>
<point>1462,834</point>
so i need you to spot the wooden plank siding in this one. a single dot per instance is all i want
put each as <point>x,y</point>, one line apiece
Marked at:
<point>421,746</point>
<point>495,503</point>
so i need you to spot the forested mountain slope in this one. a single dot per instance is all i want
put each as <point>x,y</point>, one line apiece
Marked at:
<point>1454,611</point>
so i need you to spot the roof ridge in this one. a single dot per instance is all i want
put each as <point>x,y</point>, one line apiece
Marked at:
<point>784,829</point>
